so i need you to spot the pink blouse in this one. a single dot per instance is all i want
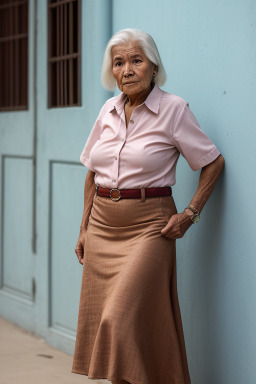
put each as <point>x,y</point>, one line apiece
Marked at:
<point>145,153</point>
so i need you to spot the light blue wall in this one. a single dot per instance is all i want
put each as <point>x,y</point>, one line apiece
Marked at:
<point>208,49</point>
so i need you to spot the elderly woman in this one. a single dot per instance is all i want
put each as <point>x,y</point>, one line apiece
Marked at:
<point>129,323</point>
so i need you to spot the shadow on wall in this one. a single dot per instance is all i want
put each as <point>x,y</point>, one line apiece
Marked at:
<point>206,286</point>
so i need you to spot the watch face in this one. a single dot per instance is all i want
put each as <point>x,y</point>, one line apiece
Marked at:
<point>196,218</point>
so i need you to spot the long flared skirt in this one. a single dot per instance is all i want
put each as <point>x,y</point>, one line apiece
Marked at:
<point>129,322</point>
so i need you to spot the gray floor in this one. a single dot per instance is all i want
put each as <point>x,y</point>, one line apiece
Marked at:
<point>26,359</point>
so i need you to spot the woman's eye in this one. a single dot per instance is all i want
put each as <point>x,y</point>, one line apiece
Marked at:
<point>118,63</point>
<point>137,61</point>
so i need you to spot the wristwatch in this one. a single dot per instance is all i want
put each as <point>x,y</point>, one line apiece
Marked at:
<point>193,213</point>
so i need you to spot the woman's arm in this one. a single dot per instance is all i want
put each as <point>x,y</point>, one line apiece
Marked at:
<point>179,223</point>
<point>89,192</point>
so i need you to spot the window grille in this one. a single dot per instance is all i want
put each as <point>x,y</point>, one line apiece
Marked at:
<point>13,55</point>
<point>64,53</point>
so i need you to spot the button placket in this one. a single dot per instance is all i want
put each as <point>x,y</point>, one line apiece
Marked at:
<point>115,169</point>
<point>117,153</point>
<point>133,117</point>
<point>116,163</point>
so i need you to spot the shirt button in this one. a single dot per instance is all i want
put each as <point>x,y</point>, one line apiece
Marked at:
<point>115,158</point>
<point>132,121</point>
<point>114,181</point>
<point>122,139</point>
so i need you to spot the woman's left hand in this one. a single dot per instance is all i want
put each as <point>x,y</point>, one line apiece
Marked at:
<point>177,226</point>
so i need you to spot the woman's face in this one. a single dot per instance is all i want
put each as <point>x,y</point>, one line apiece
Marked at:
<point>131,68</point>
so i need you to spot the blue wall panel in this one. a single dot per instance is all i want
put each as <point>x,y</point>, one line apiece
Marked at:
<point>17,257</point>
<point>65,271</point>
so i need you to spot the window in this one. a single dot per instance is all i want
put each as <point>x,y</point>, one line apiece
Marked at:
<point>13,55</point>
<point>64,53</point>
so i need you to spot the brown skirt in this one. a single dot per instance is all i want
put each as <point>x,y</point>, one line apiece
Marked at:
<point>129,322</point>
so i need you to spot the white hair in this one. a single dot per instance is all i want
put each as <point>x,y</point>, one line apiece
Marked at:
<point>147,44</point>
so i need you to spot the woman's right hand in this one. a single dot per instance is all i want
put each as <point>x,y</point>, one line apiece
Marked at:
<point>79,250</point>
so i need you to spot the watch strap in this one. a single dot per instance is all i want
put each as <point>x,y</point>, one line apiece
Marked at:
<point>196,215</point>
<point>193,209</point>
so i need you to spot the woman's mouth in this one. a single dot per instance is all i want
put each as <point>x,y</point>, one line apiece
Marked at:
<point>130,83</point>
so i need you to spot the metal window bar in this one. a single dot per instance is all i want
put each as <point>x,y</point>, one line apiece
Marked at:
<point>13,55</point>
<point>64,53</point>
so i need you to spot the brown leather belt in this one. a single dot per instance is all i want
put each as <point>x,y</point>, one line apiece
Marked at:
<point>116,194</point>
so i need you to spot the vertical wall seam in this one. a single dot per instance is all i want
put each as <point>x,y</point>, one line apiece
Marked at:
<point>111,17</point>
<point>2,224</point>
<point>34,216</point>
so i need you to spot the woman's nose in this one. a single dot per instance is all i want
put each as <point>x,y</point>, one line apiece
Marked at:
<point>128,70</point>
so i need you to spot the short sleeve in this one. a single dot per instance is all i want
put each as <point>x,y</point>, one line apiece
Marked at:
<point>191,141</point>
<point>91,141</point>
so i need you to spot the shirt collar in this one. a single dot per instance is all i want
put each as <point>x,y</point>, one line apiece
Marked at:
<point>152,101</point>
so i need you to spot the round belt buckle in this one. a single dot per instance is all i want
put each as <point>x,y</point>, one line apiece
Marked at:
<point>114,198</point>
